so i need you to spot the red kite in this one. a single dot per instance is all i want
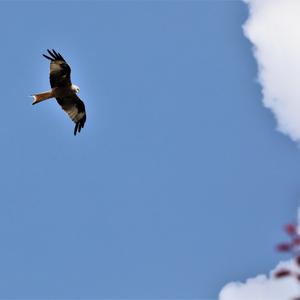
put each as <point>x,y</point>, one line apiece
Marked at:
<point>63,90</point>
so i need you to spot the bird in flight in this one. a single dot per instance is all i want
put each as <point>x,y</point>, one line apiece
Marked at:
<point>63,90</point>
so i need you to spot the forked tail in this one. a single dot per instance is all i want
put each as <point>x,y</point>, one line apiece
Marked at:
<point>41,97</point>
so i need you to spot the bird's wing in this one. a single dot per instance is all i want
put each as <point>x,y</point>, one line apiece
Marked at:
<point>60,71</point>
<point>75,108</point>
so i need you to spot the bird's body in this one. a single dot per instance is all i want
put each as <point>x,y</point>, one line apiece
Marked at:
<point>63,90</point>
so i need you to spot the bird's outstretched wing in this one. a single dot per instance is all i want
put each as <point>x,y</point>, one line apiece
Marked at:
<point>60,71</point>
<point>75,108</point>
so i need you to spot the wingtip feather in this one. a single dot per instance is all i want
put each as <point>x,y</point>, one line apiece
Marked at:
<point>75,129</point>
<point>54,55</point>
<point>46,56</point>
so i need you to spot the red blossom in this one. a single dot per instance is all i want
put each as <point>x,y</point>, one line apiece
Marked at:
<point>296,241</point>
<point>297,259</point>
<point>282,273</point>
<point>294,248</point>
<point>284,247</point>
<point>290,229</point>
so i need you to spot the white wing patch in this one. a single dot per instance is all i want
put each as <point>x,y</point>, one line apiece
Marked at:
<point>55,67</point>
<point>75,108</point>
<point>74,114</point>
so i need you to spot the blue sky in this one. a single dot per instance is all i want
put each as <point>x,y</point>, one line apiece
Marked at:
<point>177,184</point>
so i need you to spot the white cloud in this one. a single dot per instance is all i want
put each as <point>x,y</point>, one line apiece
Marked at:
<point>263,287</point>
<point>273,28</point>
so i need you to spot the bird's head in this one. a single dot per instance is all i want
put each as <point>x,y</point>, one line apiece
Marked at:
<point>75,88</point>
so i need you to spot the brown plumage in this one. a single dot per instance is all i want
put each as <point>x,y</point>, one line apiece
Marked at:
<point>63,90</point>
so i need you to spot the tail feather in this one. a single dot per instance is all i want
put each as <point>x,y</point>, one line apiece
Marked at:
<point>41,97</point>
